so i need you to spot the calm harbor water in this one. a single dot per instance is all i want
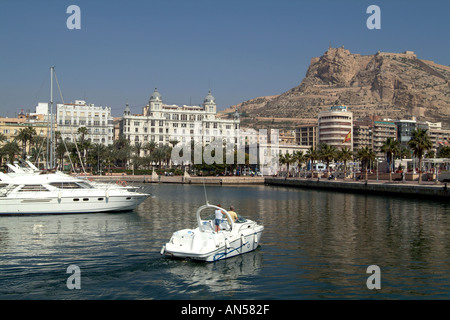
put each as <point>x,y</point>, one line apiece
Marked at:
<point>316,245</point>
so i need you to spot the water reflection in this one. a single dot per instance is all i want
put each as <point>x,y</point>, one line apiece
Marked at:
<point>316,244</point>
<point>225,278</point>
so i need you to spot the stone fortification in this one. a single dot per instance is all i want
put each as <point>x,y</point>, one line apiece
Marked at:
<point>389,85</point>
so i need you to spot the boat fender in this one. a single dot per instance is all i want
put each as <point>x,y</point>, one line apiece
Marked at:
<point>242,239</point>
<point>59,195</point>
<point>107,194</point>
<point>227,243</point>
<point>163,249</point>
<point>255,238</point>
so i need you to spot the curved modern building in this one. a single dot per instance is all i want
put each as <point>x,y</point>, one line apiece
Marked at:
<point>335,127</point>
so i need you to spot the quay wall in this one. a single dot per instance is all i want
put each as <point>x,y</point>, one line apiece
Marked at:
<point>412,190</point>
<point>429,191</point>
<point>179,179</point>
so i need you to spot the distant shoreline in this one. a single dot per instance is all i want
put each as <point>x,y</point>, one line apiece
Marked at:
<point>426,190</point>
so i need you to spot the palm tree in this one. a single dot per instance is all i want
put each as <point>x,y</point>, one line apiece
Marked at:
<point>110,155</point>
<point>281,159</point>
<point>345,154</point>
<point>444,152</point>
<point>11,149</point>
<point>312,155</point>
<point>83,143</point>
<point>366,155</point>
<point>327,153</point>
<point>82,131</point>
<point>286,159</point>
<point>123,150</point>
<point>150,146</point>
<point>391,147</point>
<point>299,158</point>
<point>2,138</point>
<point>420,143</point>
<point>137,148</point>
<point>25,135</point>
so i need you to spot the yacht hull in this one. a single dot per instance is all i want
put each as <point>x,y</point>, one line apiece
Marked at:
<point>210,246</point>
<point>70,204</point>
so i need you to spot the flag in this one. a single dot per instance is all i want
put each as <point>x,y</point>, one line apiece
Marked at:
<point>348,137</point>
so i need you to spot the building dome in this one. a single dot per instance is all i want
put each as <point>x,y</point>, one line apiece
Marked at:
<point>127,110</point>
<point>155,95</point>
<point>209,98</point>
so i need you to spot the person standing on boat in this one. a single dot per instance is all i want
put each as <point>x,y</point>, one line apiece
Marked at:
<point>218,218</point>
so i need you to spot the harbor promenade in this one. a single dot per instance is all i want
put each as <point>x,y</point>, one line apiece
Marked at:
<point>220,180</point>
<point>427,189</point>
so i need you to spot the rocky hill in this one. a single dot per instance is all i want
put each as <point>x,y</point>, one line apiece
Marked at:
<point>391,85</point>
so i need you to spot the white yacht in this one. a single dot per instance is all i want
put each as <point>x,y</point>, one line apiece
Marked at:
<point>28,191</point>
<point>203,243</point>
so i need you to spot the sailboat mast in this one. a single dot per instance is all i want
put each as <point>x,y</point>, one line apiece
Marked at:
<point>52,69</point>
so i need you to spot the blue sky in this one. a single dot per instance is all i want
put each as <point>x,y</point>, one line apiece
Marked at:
<point>238,49</point>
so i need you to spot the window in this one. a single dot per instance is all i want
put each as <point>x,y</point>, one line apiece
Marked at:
<point>33,188</point>
<point>70,185</point>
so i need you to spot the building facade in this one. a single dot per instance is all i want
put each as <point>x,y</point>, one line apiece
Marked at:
<point>307,135</point>
<point>362,135</point>
<point>382,130</point>
<point>97,120</point>
<point>335,127</point>
<point>10,127</point>
<point>172,124</point>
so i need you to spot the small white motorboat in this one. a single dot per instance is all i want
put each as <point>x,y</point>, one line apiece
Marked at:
<point>203,243</point>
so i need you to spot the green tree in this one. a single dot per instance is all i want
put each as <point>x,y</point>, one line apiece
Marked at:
<point>25,135</point>
<point>420,143</point>
<point>366,155</point>
<point>11,149</point>
<point>286,159</point>
<point>123,150</point>
<point>312,155</point>
<point>444,152</point>
<point>345,154</point>
<point>327,153</point>
<point>2,139</point>
<point>300,158</point>
<point>390,147</point>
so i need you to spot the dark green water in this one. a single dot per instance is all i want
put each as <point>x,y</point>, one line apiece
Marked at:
<point>316,245</point>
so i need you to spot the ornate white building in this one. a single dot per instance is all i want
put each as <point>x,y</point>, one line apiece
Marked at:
<point>163,124</point>
<point>97,120</point>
